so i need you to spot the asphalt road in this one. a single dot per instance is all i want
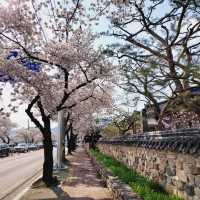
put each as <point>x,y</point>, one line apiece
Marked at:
<point>17,169</point>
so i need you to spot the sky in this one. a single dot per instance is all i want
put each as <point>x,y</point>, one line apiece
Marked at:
<point>20,117</point>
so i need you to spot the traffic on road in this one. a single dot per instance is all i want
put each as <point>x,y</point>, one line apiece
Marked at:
<point>6,150</point>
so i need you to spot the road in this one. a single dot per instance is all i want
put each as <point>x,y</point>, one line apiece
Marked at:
<point>17,169</point>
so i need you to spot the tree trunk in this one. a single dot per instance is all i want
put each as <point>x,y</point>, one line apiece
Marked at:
<point>144,124</point>
<point>92,145</point>
<point>64,160</point>
<point>69,149</point>
<point>68,142</point>
<point>47,141</point>
<point>71,142</point>
<point>134,127</point>
<point>73,139</point>
<point>3,139</point>
<point>48,159</point>
<point>63,155</point>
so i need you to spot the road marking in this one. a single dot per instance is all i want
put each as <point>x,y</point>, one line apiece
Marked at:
<point>28,181</point>
<point>18,197</point>
<point>21,194</point>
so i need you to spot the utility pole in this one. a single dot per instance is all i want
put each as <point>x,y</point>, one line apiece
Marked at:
<point>60,138</point>
<point>28,125</point>
<point>61,124</point>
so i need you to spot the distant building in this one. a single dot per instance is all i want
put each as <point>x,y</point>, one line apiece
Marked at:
<point>104,121</point>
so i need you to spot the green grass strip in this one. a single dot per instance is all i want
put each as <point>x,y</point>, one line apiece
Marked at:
<point>145,188</point>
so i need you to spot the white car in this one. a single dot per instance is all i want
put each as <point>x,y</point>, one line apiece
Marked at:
<point>32,147</point>
<point>21,148</point>
<point>4,149</point>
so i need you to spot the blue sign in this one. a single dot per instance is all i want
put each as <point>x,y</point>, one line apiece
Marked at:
<point>5,78</point>
<point>12,54</point>
<point>33,66</point>
<point>26,62</point>
<point>195,90</point>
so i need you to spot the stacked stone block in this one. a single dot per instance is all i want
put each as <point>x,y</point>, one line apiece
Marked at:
<point>178,173</point>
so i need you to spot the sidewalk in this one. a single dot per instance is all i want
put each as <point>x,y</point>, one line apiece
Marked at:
<point>79,183</point>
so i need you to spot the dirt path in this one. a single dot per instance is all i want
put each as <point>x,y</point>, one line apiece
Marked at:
<point>83,183</point>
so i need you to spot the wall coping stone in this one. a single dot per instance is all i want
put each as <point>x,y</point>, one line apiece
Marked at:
<point>185,141</point>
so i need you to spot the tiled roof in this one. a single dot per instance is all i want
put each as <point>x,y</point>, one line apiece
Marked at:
<point>181,141</point>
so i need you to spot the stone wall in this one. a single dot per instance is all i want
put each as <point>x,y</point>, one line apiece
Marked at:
<point>119,190</point>
<point>178,173</point>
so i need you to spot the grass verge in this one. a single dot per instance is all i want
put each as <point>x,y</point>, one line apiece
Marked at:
<point>145,188</point>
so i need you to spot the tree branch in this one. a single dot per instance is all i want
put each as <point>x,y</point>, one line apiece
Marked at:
<point>30,114</point>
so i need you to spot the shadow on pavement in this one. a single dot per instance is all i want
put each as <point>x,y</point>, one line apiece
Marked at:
<point>62,195</point>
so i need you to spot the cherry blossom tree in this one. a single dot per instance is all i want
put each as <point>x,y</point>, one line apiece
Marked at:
<point>48,56</point>
<point>31,135</point>
<point>5,126</point>
<point>82,117</point>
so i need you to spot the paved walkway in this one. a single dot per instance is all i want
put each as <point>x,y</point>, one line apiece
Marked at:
<point>80,183</point>
<point>83,183</point>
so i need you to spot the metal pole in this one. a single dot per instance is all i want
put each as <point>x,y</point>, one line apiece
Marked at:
<point>61,132</point>
<point>60,138</point>
<point>28,125</point>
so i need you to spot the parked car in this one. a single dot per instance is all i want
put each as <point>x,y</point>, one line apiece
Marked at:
<point>4,149</point>
<point>40,145</point>
<point>21,148</point>
<point>32,147</point>
<point>12,148</point>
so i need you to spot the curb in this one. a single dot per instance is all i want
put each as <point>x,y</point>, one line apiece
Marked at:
<point>28,181</point>
<point>118,189</point>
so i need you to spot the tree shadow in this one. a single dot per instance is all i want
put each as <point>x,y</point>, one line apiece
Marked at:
<point>62,195</point>
<point>82,178</point>
<point>85,174</point>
